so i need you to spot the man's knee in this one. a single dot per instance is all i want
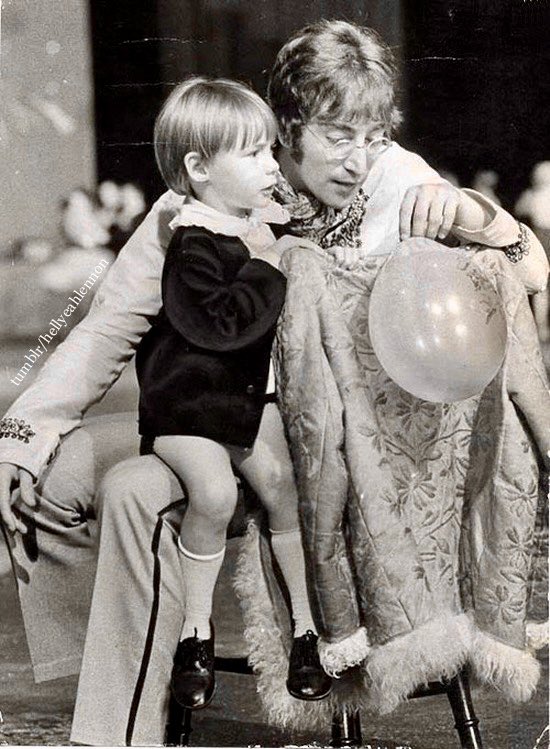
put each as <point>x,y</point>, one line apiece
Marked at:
<point>70,479</point>
<point>137,485</point>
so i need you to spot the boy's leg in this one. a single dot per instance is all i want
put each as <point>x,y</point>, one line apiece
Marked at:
<point>268,470</point>
<point>204,468</point>
<point>137,609</point>
<point>54,562</point>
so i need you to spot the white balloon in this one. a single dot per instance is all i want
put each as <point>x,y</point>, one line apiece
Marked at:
<point>436,323</point>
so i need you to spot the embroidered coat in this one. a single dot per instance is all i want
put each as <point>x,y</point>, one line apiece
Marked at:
<point>418,518</point>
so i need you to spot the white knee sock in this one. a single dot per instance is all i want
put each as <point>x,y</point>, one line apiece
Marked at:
<point>200,572</point>
<point>288,550</point>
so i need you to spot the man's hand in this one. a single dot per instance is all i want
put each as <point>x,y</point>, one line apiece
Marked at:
<point>11,477</point>
<point>429,210</point>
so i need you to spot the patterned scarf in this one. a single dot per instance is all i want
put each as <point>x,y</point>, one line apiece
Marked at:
<point>326,226</point>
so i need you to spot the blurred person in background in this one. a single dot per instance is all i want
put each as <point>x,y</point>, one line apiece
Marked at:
<point>486,182</point>
<point>533,206</point>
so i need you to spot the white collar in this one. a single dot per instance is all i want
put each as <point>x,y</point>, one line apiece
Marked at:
<point>195,213</point>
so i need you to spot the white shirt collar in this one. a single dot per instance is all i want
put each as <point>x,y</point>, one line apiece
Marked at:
<point>195,213</point>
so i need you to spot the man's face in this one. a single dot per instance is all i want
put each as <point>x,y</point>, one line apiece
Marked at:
<point>335,161</point>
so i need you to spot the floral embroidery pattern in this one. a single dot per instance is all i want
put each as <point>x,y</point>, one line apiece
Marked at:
<point>455,525</point>
<point>16,429</point>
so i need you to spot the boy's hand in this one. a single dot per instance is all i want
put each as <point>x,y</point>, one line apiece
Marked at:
<point>288,242</point>
<point>270,256</point>
<point>11,477</point>
<point>429,210</point>
<point>346,257</point>
<point>274,253</point>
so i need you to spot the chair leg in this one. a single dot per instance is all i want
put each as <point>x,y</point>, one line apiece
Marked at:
<point>178,727</point>
<point>466,722</point>
<point>346,728</point>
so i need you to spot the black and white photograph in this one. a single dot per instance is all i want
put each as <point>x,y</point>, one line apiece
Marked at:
<point>274,373</point>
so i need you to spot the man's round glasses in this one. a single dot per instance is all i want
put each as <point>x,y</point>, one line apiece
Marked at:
<point>342,148</point>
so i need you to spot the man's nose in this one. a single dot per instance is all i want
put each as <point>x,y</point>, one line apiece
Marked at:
<point>356,162</point>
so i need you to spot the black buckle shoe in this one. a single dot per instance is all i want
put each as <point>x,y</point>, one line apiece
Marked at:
<point>306,678</point>
<point>192,682</point>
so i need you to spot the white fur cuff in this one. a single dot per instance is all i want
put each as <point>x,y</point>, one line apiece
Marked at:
<point>336,657</point>
<point>514,672</point>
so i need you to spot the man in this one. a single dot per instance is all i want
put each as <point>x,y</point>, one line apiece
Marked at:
<point>348,188</point>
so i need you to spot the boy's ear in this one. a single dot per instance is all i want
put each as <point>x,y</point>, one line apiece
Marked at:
<point>196,166</point>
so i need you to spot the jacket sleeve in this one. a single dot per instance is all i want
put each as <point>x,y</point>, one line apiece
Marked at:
<point>402,169</point>
<point>90,360</point>
<point>212,308</point>
<point>501,230</point>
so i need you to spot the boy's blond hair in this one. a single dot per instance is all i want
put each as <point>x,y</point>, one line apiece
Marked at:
<point>207,116</point>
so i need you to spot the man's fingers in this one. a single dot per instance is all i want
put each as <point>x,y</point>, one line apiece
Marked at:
<point>406,212</point>
<point>7,474</point>
<point>435,217</point>
<point>27,489</point>
<point>421,214</point>
<point>449,214</point>
<point>19,525</point>
<point>10,477</point>
<point>346,257</point>
<point>428,210</point>
<point>8,518</point>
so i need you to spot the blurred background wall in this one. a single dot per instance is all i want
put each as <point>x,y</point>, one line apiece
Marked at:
<point>477,87</point>
<point>47,135</point>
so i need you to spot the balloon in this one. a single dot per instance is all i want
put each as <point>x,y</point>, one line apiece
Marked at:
<point>436,323</point>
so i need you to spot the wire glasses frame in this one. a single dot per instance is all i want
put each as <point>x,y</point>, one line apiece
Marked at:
<point>342,148</point>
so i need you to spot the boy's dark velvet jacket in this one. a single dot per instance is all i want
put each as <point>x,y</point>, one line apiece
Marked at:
<point>203,366</point>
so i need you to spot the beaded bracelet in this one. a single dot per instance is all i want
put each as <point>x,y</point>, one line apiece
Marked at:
<point>517,251</point>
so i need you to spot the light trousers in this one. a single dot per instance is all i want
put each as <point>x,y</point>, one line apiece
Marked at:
<point>136,611</point>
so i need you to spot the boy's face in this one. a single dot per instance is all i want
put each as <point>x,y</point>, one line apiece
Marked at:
<point>335,161</point>
<point>242,179</point>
